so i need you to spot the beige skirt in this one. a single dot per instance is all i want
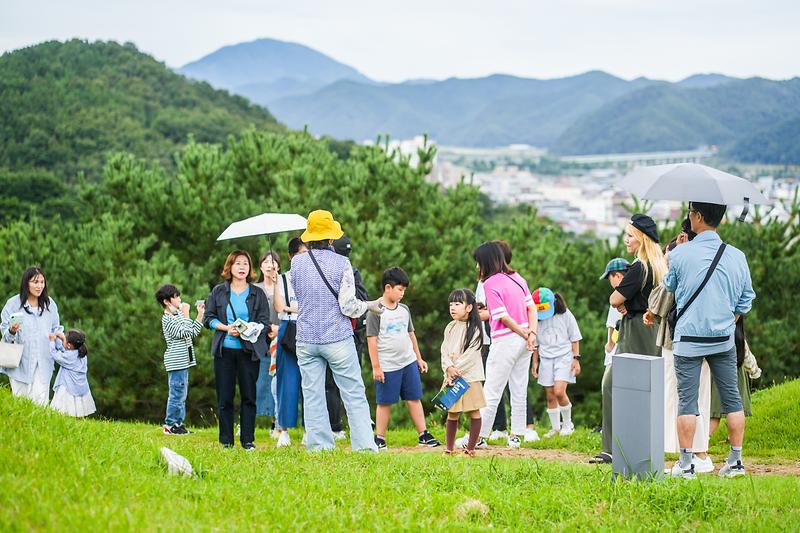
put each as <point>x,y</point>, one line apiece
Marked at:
<point>472,400</point>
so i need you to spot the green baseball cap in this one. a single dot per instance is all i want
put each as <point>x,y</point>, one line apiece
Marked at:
<point>618,264</point>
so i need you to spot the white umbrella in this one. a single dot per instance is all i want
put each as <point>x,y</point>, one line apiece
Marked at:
<point>265,224</point>
<point>691,182</point>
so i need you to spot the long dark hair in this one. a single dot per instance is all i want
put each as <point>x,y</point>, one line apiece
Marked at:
<point>24,292</point>
<point>560,304</point>
<point>77,339</point>
<point>275,259</point>
<point>473,334</point>
<point>491,260</point>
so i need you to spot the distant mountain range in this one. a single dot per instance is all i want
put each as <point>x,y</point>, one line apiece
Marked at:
<point>266,70</point>
<point>593,112</point>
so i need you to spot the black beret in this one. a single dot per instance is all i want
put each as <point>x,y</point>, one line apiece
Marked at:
<point>646,225</point>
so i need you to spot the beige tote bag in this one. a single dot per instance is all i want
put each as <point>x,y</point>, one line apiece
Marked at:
<point>10,354</point>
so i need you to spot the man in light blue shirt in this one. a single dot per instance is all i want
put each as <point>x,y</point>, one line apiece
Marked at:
<point>705,330</point>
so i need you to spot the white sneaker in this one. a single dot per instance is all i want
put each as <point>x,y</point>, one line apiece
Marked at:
<point>729,470</point>
<point>284,439</point>
<point>702,466</point>
<point>551,433</point>
<point>461,442</point>
<point>337,435</point>
<point>679,472</point>
<point>531,435</point>
<point>498,435</point>
<point>303,441</point>
<point>513,442</point>
<point>567,430</point>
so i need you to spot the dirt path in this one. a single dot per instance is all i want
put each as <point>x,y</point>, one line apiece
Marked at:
<point>757,469</point>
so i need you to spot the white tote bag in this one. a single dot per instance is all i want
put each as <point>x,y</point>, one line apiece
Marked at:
<point>10,354</point>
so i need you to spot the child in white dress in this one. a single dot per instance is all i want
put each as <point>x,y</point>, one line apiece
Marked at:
<point>71,389</point>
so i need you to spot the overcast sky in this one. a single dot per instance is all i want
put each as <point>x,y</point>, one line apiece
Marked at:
<point>394,41</point>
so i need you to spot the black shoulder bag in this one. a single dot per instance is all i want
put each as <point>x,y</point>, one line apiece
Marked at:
<point>674,315</point>
<point>289,338</point>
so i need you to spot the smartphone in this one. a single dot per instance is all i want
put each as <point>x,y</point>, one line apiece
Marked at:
<point>199,302</point>
<point>16,318</point>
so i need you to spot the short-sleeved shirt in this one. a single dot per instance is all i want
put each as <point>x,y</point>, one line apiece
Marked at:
<point>612,320</point>
<point>480,297</point>
<point>292,298</point>
<point>392,327</point>
<point>556,335</point>
<point>636,289</point>
<point>507,295</point>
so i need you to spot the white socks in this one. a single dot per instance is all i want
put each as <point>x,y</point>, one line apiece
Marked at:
<point>554,422</point>
<point>566,414</point>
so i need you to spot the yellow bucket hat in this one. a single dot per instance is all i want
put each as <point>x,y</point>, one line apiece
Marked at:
<point>321,227</point>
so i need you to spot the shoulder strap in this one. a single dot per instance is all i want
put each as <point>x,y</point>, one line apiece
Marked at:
<point>705,280</point>
<point>327,284</point>
<point>285,290</point>
<point>515,281</point>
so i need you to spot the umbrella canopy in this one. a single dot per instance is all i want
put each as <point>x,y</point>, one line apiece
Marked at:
<point>265,224</point>
<point>691,182</point>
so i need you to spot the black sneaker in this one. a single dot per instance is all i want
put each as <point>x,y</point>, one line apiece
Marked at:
<point>185,430</point>
<point>249,446</point>
<point>380,443</point>
<point>426,439</point>
<point>227,446</point>
<point>178,430</point>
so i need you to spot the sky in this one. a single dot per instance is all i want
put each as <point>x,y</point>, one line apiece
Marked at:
<point>437,39</point>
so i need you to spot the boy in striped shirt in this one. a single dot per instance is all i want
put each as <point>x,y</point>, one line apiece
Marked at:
<point>179,330</point>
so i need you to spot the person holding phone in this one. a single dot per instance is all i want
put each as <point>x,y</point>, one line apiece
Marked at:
<point>236,359</point>
<point>179,330</point>
<point>29,318</point>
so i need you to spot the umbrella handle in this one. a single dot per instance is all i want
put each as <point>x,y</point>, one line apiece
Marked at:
<point>745,209</point>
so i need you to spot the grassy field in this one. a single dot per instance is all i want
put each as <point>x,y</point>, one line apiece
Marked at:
<point>66,474</point>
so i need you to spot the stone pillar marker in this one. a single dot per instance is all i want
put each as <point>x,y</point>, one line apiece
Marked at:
<point>638,416</point>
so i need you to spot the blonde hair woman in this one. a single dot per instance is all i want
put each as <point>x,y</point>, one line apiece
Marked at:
<point>631,295</point>
<point>630,298</point>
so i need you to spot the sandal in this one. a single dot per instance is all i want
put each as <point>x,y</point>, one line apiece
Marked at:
<point>470,453</point>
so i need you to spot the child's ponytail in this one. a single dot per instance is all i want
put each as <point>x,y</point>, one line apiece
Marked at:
<point>559,305</point>
<point>77,339</point>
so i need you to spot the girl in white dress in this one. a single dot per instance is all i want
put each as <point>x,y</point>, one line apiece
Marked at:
<point>71,390</point>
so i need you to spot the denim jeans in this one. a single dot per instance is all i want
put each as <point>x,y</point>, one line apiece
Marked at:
<point>176,403</point>
<point>342,358</point>
<point>288,377</point>
<point>265,404</point>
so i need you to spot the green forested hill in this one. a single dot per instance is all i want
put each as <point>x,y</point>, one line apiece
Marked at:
<point>65,106</point>
<point>670,117</point>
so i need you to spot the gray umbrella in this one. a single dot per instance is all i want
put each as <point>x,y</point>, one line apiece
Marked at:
<point>691,182</point>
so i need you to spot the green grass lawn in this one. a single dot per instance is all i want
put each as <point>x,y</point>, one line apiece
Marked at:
<point>66,474</point>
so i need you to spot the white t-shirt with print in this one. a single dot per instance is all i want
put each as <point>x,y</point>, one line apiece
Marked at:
<point>392,327</point>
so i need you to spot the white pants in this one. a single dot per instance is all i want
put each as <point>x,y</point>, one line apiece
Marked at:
<point>508,363</point>
<point>38,390</point>
<point>700,443</point>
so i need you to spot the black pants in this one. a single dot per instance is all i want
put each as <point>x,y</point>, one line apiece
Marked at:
<point>232,366</point>
<point>334,401</point>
